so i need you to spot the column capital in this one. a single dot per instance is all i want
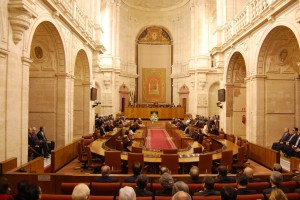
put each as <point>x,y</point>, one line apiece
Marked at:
<point>64,75</point>
<point>257,76</point>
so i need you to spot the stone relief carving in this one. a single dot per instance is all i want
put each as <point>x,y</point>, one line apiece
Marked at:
<point>154,35</point>
<point>43,56</point>
<point>202,100</point>
<point>107,79</point>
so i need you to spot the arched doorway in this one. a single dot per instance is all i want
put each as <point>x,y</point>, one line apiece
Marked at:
<point>277,85</point>
<point>154,60</point>
<point>124,97</point>
<point>213,109</point>
<point>184,98</point>
<point>81,107</point>
<point>236,96</point>
<point>47,83</point>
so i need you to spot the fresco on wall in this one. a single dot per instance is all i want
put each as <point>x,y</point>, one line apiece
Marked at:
<point>154,85</point>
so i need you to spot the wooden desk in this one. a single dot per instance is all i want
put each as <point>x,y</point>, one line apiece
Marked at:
<point>162,113</point>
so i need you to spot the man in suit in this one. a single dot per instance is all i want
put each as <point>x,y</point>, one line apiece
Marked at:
<point>287,147</point>
<point>277,145</point>
<point>208,186</point>
<point>137,169</point>
<point>228,193</point>
<point>222,175</point>
<point>242,182</point>
<point>275,181</point>
<point>43,141</point>
<point>105,178</point>
<point>194,174</point>
<point>297,176</point>
<point>166,180</point>
<point>141,184</point>
<point>249,173</point>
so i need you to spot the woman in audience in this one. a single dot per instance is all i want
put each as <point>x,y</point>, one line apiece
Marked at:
<point>127,193</point>
<point>277,194</point>
<point>5,189</point>
<point>22,187</point>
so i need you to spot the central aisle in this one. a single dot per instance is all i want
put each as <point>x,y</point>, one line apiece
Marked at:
<point>159,139</point>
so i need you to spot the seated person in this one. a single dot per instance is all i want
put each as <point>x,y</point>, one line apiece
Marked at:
<point>137,169</point>
<point>126,142</point>
<point>81,191</point>
<point>43,141</point>
<point>242,182</point>
<point>141,184</point>
<point>222,175</point>
<point>180,186</point>
<point>249,173</point>
<point>277,194</point>
<point>194,174</point>
<point>166,180</point>
<point>108,127</point>
<point>127,193</point>
<point>228,193</point>
<point>276,145</point>
<point>181,195</point>
<point>208,186</point>
<point>5,189</point>
<point>22,187</point>
<point>105,178</point>
<point>34,143</point>
<point>275,181</point>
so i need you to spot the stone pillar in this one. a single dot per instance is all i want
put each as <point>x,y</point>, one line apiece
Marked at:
<point>88,119</point>
<point>248,113</point>
<point>97,21</point>
<point>229,108</point>
<point>297,104</point>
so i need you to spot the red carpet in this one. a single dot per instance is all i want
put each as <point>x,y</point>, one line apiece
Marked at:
<point>159,139</point>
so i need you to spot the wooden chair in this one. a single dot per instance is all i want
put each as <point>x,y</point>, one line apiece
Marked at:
<point>239,161</point>
<point>171,161</point>
<point>132,158</point>
<point>197,150</point>
<point>113,160</point>
<point>86,142</point>
<point>136,149</point>
<point>226,160</point>
<point>94,163</point>
<point>170,151</point>
<point>205,163</point>
<point>81,155</point>
<point>67,188</point>
<point>119,145</point>
<point>105,189</point>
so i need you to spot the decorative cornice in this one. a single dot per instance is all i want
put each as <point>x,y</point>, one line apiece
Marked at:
<point>3,52</point>
<point>20,14</point>
<point>64,75</point>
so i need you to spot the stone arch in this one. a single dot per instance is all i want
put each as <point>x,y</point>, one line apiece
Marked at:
<point>123,97</point>
<point>184,97</point>
<point>213,99</point>
<point>81,95</point>
<point>236,95</point>
<point>47,82</point>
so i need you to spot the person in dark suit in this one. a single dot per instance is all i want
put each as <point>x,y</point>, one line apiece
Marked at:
<point>194,174</point>
<point>140,189</point>
<point>228,193</point>
<point>287,147</point>
<point>277,145</point>
<point>208,186</point>
<point>249,173</point>
<point>166,180</point>
<point>275,181</point>
<point>43,141</point>
<point>242,182</point>
<point>222,175</point>
<point>105,178</point>
<point>137,169</point>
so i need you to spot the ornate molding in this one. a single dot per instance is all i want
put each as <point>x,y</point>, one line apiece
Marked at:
<point>20,14</point>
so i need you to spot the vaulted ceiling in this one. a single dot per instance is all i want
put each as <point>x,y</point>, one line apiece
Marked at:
<point>155,5</point>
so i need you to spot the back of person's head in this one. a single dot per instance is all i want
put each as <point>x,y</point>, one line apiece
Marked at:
<point>249,172</point>
<point>180,186</point>
<point>22,187</point>
<point>277,167</point>
<point>181,195</point>
<point>277,194</point>
<point>276,178</point>
<point>105,170</point>
<point>142,181</point>
<point>81,192</point>
<point>127,193</point>
<point>136,168</point>
<point>33,192</point>
<point>222,170</point>
<point>209,182</point>
<point>242,179</point>
<point>228,193</point>
<point>166,180</point>
<point>4,187</point>
<point>164,170</point>
<point>41,128</point>
<point>194,173</point>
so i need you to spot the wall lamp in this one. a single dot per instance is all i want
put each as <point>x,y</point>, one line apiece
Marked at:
<point>219,104</point>
<point>96,103</point>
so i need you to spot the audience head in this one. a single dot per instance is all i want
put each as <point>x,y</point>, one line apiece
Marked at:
<point>249,172</point>
<point>42,128</point>
<point>22,187</point>
<point>4,186</point>
<point>277,167</point>
<point>136,168</point>
<point>127,193</point>
<point>30,130</point>
<point>81,192</point>
<point>34,192</point>
<point>181,195</point>
<point>276,178</point>
<point>166,180</point>
<point>222,170</point>
<point>228,193</point>
<point>105,170</point>
<point>33,129</point>
<point>194,173</point>
<point>242,179</point>
<point>277,194</point>
<point>209,182</point>
<point>180,186</point>
<point>142,181</point>
<point>164,170</point>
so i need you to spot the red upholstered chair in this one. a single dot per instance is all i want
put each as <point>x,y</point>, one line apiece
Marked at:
<point>171,161</point>
<point>293,196</point>
<point>205,198</point>
<point>136,149</point>
<point>144,198</point>
<point>291,185</point>
<point>250,197</point>
<point>132,158</point>
<point>56,197</point>
<point>197,150</point>
<point>148,187</point>
<point>156,187</point>
<point>193,187</point>
<point>170,151</point>
<point>105,189</point>
<point>163,197</point>
<point>258,186</point>
<point>205,163</point>
<point>67,188</point>
<point>219,186</point>
<point>113,159</point>
<point>101,197</point>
